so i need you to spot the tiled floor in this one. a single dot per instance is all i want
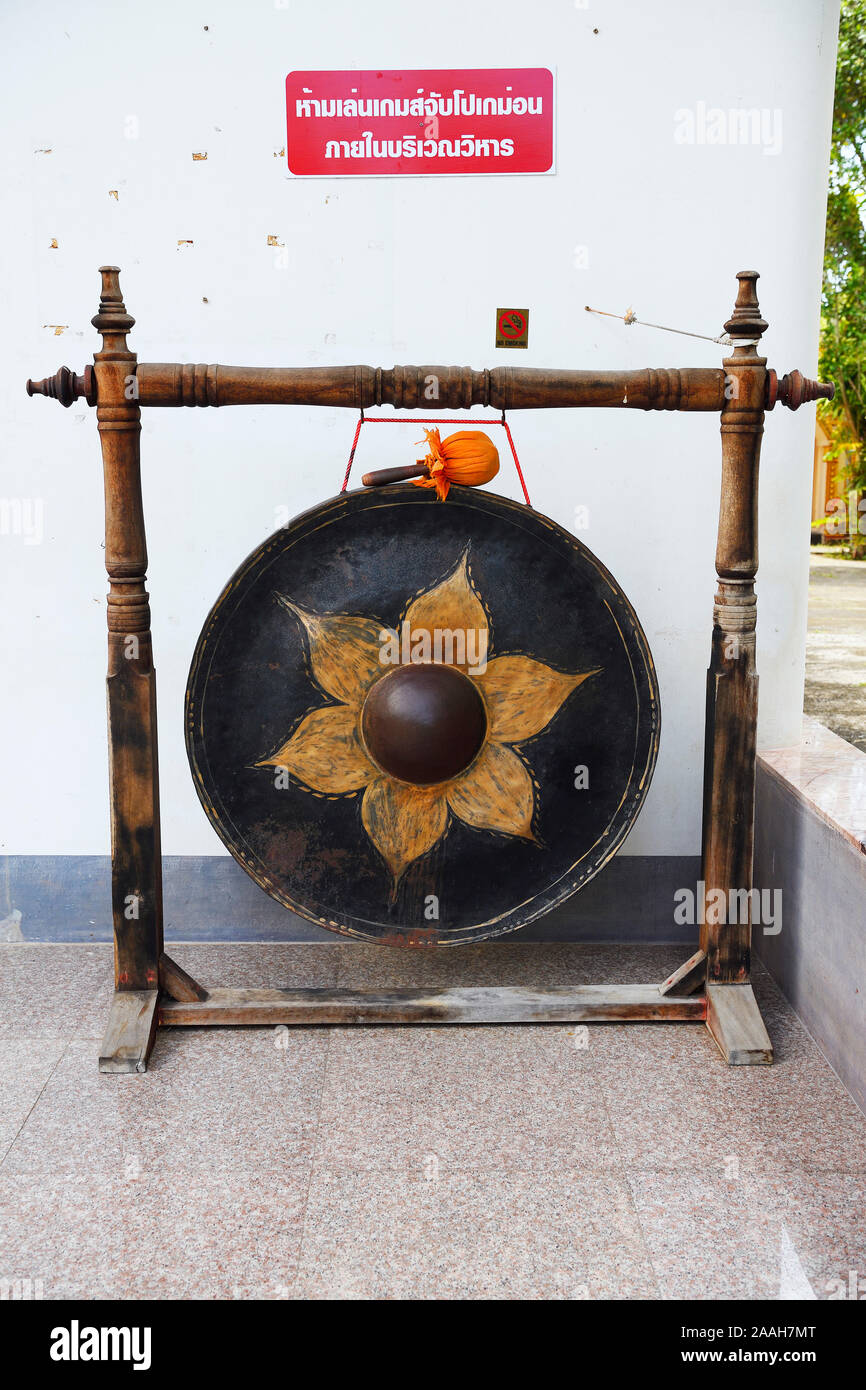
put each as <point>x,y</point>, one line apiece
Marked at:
<point>513,1162</point>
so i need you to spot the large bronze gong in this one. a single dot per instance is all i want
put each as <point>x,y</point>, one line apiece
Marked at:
<point>421,722</point>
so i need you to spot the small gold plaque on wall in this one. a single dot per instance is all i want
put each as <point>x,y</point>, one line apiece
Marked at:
<point>512,328</point>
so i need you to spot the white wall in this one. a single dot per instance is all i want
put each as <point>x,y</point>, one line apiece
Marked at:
<point>384,271</point>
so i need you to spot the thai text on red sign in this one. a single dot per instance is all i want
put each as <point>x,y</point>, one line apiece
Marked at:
<point>442,121</point>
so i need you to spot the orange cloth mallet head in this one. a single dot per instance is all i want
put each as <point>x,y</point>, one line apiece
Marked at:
<point>468,458</point>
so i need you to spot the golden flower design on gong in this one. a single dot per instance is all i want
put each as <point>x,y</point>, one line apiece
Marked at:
<point>366,740</point>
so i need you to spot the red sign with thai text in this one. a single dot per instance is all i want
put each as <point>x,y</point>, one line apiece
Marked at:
<point>441,121</point>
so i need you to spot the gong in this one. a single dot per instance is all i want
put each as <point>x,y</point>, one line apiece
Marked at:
<point>422,722</point>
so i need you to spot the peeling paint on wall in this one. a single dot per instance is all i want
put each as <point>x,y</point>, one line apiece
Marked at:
<point>10,927</point>
<point>200,156</point>
<point>53,246</point>
<point>185,243</point>
<point>112,193</point>
<point>57,327</point>
<point>275,241</point>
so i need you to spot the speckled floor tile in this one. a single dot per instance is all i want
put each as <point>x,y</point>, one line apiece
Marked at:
<point>786,1236</point>
<point>561,1235</point>
<point>280,965</point>
<point>824,1215</point>
<point>65,991</point>
<point>504,963</point>
<point>121,1236</point>
<point>476,1098</point>
<point>670,1096</point>
<point>53,991</point>
<point>25,1066</point>
<point>420,1162</point>
<point>213,1101</point>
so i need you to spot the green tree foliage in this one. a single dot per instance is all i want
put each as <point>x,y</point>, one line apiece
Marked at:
<point>843,307</point>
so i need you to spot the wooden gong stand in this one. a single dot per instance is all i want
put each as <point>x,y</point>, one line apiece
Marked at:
<point>150,988</point>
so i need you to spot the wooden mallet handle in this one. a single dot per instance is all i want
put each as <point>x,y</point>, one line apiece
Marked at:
<point>395,475</point>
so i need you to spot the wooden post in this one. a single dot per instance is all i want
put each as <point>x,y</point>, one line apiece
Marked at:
<point>136,867</point>
<point>732,698</point>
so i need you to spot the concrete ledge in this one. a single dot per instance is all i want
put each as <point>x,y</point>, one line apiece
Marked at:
<point>210,898</point>
<point>810,829</point>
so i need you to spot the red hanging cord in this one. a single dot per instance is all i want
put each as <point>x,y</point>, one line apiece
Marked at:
<point>432,420</point>
<point>352,454</point>
<point>507,429</point>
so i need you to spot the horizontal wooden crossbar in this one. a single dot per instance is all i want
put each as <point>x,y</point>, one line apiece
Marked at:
<point>408,388</point>
<point>512,1004</point>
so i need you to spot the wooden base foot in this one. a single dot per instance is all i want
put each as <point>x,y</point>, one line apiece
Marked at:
<point>734,1019</point>
<point>130,1033</point>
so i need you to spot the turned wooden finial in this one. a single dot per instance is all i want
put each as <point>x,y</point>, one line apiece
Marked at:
<point>746,321</point>
<point>112,317</point>
<point>64,386</point>
<point>794,389</point>
<point>113,322</point>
